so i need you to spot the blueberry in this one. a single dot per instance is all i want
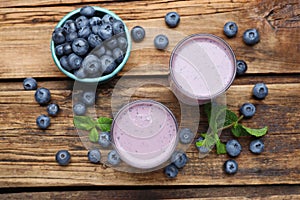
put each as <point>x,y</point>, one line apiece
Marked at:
<point>64,63</point>
<point>81,21</point>
<point>53,109</point>
<point>257,146</point>
<point>88,98</point>
<point>69,27</point>
<point>80,46</point>
<point>107,18</point>
<point>58,36</point>
<point>108,52</point>
<point>202,149</point>
<point>122,43</point>
<point>105,31</point>
<point>233,148</point>
<point>59,50</point>
<point>251,36</point>
<point>63,157</point>
<point>113,158</point>
<point>118,27</point>
<point>95,29</point>
<point>94,156</point>
<point>87,11</point>
<point>95,21</point>
<point>80,73</point>
<point>118,55</point>
<point>230,29</point>
<point>74,61</point>
<point>70,37</point>
<point>99,51</point>
<point>91,65</point>
<point>179,159</point>
<point>79,109</point>
<point>138,33</point>
<point>248,110</point>
<point>108,64</point>
<point>171,171</point>
<point>186,136</point>
<point>94,40</point>
<point>230,166</point>
<point>260,90</point>
<point>43,121</point>
<point>241,67</point>
<point>104,139</point>
<point>42,96</point>
<point>111,43</point>
<point>67,48</point>
<point>29,84</point>
<point>172,19</point>
<point>161,42</point>
<point>84,32</point>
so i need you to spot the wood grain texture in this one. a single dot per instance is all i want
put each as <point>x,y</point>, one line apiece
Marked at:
<point>207,193</point>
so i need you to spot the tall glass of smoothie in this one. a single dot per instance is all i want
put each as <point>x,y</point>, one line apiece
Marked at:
<point>202,67</point>
<point>144,133</point>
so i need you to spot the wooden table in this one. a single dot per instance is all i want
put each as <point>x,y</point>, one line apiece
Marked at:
<point>27,165</point>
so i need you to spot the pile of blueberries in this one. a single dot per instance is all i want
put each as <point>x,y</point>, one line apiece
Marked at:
<point>90,45</point>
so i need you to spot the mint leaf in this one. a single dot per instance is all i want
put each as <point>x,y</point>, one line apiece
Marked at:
<point>221,147</point>
<point>238,130</point>
<point>94,135</point>
<point>83,122</point>
<point>105,127</point>
<point>230,118</point>
<point>199,143</point>
<point>104,124</point>
<point>256,132</point>
<point>104,120</point>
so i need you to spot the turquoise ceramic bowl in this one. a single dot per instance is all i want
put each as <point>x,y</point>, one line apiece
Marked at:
<point>99,12</point>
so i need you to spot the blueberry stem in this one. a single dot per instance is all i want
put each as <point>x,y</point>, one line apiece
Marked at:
<point>232,124</point>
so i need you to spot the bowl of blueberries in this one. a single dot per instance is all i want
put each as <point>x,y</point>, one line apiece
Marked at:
<point>90,44</point>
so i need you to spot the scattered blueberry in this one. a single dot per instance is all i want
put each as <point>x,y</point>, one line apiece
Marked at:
<point>74,61</point>
<point>107,18</point>
<point>94,40</point>
<point>230,29</point>
<point>251,36</point>
<point>202,149</point>
<point>172,19</point>
<point>248,110</point>
<point>79,109</point>
<point>105,31</point>
<point>260,90</point>
<point>233,148</point>
<point>118,27</point>
<point>179,159</point>
<point>118,55</point>
<point>88,98</point>
<point>230,166</point>
<point>122,43</point>
<point>64,63</point>
<point>161,42</point>
<point>29,84</point>
<point>257,146</point>
<point>94,156</point>
<point>241,67</point>
<point>63,157</point>
<point>84,32</point>
<point>58,36</point>
<point>59,50</point>
<point>94,21</point>
<point>80,46</point>
<point>108,64</point>
<point>111,43</point>
<point>43,121</point>
<point>81,21</point>
<point>113,158</point>
<point>138,33</point>
<point>91,65</point>
<point>53,109</point>
<point>104,139</point>
<point>87,11</point>
<point>186,136</point>
<point>42,96</point>
<point>69,27</point>
<point>171,171</point>
<point>67,49</point>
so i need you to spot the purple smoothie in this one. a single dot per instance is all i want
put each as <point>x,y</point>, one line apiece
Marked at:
<point>202,67</point>
<point>144,134</point>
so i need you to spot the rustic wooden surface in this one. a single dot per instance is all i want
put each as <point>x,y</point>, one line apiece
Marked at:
<point>27,163</point>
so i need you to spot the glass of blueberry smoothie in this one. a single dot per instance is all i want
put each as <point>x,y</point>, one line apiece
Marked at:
<point>144,133</point>
<point>202,67</point>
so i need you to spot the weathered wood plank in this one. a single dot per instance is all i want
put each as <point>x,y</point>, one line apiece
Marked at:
<point>27,153</point>
<point>26,32</point>
<point>247,192</point>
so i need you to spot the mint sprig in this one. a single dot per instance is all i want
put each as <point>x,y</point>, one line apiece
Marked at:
<point>86,123</point>
<point>221,118</point>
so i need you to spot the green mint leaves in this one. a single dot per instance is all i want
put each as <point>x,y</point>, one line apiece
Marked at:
<point>88,124</point>
<point>221,118</point>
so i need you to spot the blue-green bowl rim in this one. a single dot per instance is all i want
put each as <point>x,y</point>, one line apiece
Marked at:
<point>102,78</point>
